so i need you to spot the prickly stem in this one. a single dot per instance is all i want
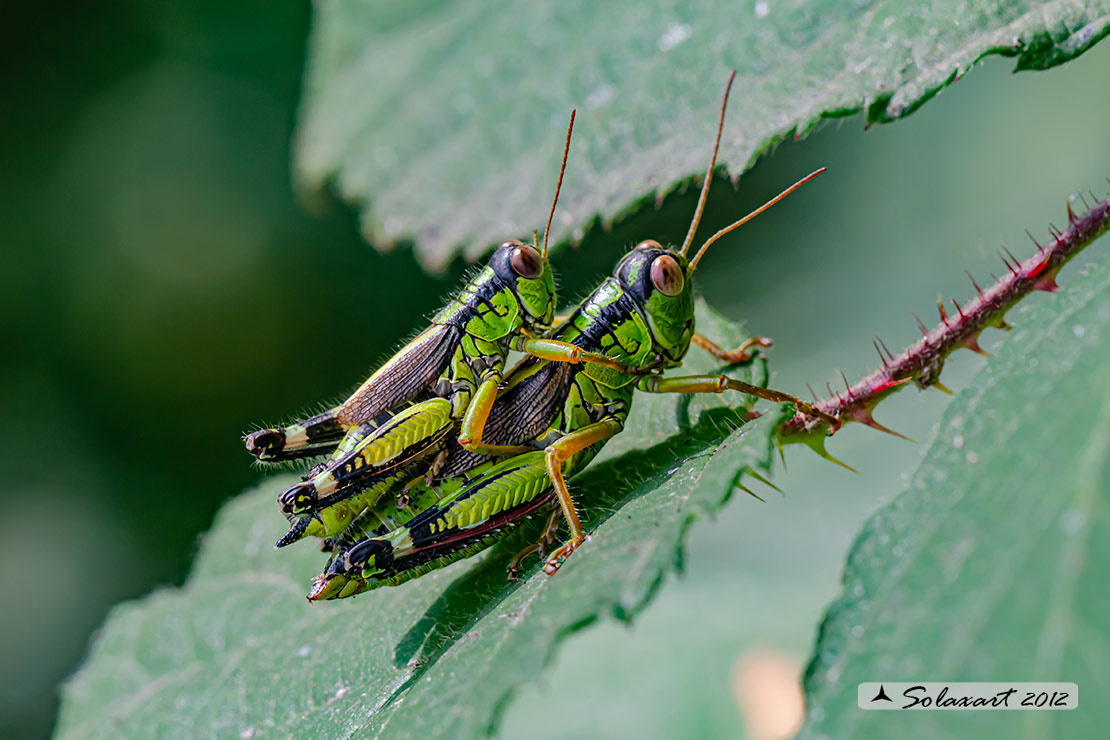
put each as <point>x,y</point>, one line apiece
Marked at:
<point>922,361</point>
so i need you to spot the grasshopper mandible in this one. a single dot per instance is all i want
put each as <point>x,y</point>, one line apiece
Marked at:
<point>642,317</point>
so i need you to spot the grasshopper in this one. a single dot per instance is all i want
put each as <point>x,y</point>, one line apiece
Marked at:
<point>444,380</point>
<point>642,317</point>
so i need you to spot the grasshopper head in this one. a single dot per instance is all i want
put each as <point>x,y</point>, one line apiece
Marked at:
<point>656,279</point>
<point>525,273</point>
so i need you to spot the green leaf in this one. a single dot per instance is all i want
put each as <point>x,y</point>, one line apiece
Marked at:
<point>445,121</point>
<point>238,651</point>
<point>991,565</point>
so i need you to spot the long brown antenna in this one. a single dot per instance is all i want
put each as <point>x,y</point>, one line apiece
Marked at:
<point>559,185</point>
<point>750,216</point>
<point>709,172</point>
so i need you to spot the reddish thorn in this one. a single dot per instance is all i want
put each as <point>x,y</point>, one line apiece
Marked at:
<point>1039,247</point>
<point>812,393</point>
<point>1047,284</point>
<point>1054,230</point>
<point>977,288</point>
<point>845,379</point>
<point>940,308</point>
<point>830,390</point>
<point>1093,197</point>
<point>889,383</point>
<point>883,344</point>
<point>1006,262</point>
<point>921,325</point>
<point>1072,218</point>
<point>1017,262</point>
<point>1084,200</point>
<point>972,343</point>
<point>959,308</point>
<point>864,416</point>
<point>879,351</point>
<point>1040,267</point>
<point>993,276</point>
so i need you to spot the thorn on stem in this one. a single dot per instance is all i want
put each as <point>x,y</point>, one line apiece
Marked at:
<point>958,308</point>
<point>868,419</point>
<point>889,383</point>
<point>1037,243</point>
<point>972,343</point>
<point>883,345</point>
<point>881,357</point>
<point>817,444</point>
<point>921,325</point>
<point>977,288</point>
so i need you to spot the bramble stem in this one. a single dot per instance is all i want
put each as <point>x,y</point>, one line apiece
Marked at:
<point>923,361</point>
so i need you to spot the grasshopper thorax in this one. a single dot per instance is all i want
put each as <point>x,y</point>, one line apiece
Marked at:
<point>655,278</point>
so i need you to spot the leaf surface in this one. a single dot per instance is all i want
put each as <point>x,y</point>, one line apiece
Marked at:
<point>444,121</point>
<point>238,651</point>
<point>990,565</point>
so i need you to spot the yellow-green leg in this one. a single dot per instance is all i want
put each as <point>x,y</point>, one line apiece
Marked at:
<point>743,353</point>
<point>721,383</point>
<point>558,453</point>
<point>549,531</point>
<point>474,423</point>
<point>558,351</point>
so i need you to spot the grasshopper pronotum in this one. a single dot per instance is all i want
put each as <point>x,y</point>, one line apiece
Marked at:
<point>642,318</point>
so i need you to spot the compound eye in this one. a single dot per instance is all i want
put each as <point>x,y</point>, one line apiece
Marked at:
<point>649,244</point>
<point>526,262</point>
<point>667,275</point>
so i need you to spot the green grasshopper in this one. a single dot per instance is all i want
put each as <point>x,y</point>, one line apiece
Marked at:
<point>444,380</point>
<point>642,317</point>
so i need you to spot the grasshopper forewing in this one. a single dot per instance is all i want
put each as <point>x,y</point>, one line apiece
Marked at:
<point>642,317</point>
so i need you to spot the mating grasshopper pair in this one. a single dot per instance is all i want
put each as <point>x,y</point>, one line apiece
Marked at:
<point>439,452</point>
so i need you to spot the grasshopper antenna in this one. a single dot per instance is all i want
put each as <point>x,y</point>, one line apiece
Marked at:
<point>750,216</point>
<point>709,172</point>
<point>558,185</point>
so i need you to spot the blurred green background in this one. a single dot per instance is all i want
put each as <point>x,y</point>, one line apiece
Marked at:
<point>162,291</point>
